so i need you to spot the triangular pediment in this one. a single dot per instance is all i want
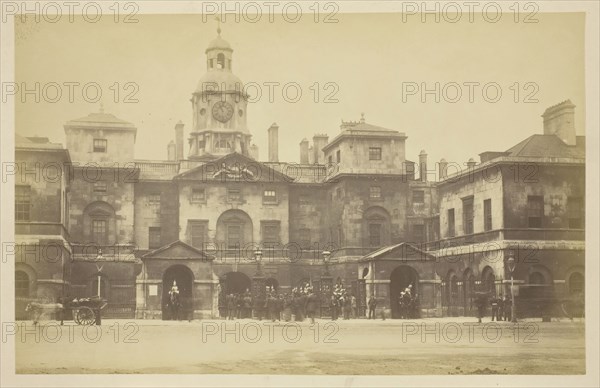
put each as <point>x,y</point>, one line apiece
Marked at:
<point>177,250</point>
<point>234,168</point>
<point>399,252</point>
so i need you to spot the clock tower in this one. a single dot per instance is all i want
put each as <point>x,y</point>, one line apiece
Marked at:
<point>219,107</point>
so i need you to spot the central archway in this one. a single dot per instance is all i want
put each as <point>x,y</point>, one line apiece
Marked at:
<point>400,278</point>
<point>185,282</point>
<point>235,283</point>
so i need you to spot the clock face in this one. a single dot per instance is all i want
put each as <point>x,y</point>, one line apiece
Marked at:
<point>222,111</point>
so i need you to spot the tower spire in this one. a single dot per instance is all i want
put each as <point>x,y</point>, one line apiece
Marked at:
<point>218,19</point>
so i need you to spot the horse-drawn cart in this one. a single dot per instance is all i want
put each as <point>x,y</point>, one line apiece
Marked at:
<point>85,311</point>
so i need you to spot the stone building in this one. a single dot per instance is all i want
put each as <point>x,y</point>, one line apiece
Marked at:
<point>218,221</point>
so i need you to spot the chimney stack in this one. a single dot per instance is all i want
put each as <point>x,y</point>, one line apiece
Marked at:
<point>273,143</point>
<point>443,168</point>
<point>253,151</point>
<point>423,166</point>
<point>471,164</point>
<point>171,151</point>
<point>559,120</point>
<point>179,140</point>
<point>319,141</point>
<point>304,151</point>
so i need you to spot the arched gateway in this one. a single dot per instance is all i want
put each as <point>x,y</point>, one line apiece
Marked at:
<point>400,279</point>
<point>185,281</point>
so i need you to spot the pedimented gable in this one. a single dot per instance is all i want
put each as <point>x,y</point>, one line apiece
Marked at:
<point>178,250</point>
<point>401,252</point>
<point>234,168</point>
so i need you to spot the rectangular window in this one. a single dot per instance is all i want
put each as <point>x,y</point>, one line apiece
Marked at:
<point>487,214</point>
<point>304,237</point>
<point>100,145</point>
<point>418,196</point>
<point>100,187</point>
<point>22,203</point>
<point>330,159</point>
<point>575,212</point>
<point>154,237</point>
<point>375,192</point>
<point>270,232</point>
<point>451,224</point>
<point>198,195</point>
<point>154,202</point>
<point>374,235</point>
<point>269,196</point>
<point>233,195</point>
<point>338,192</point>
<point>535,211</point>
<point>338,156</point>
<point>234,236</point>
<point>374,153</point>
<point>468,215</point>
<point>99,232</point>
<point>197,233</point>
<point>418,233</point>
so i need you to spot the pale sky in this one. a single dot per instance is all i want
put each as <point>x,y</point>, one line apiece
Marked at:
<point>368,56</point>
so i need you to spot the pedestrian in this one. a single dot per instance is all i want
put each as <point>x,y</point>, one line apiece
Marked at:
<point>312,304</point>
<point>272,306</point>
<point>494,302</point>
<point>353,306</point>
<point>507,308</point>
<point>500,313</point>
<point>334,307</point>
<point>347,306</point>
<point>247,303</point>
<point>231,307</point>
<point>372,305</point>
<point>481,302</point>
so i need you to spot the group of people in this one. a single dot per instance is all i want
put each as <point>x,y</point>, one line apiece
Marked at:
<point>501,307</point>
<point>342,302</point>
<point>299,304</point>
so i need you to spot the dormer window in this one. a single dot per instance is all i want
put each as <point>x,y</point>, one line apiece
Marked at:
<point>220,61</point>
<point>211,63</point>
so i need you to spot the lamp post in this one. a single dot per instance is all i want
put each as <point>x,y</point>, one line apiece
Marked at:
<point>511,268</point>
<point>258,257</point>
<point>326,257</point>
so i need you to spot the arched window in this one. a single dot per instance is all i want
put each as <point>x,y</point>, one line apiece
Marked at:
<point>21,284</point>
<point>220,61</point>
<point>576,283</point>
<point>537,278</point>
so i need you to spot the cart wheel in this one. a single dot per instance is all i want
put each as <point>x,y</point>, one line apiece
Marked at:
<point>85,316</point>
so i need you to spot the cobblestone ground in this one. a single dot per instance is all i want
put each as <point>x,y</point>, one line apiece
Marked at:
<point>428,346</point>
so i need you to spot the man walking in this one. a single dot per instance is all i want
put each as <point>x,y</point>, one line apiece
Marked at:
<point>372,305</point>
<point>312,303</point>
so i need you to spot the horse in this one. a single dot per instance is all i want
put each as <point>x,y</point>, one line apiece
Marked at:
<point>41,310</point>
<point>174,305</point>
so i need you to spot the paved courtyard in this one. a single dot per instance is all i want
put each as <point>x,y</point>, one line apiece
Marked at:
<point>428,346</point>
